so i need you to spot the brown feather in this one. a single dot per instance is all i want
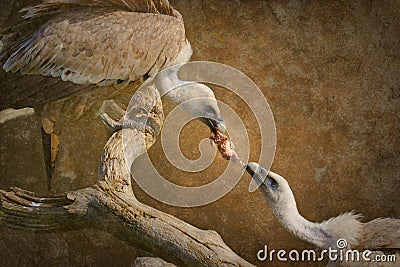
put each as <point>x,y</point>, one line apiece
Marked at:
<point>382,233</point>
<point>99,42</point>
<point>144,6</point>
<point>98,46</point>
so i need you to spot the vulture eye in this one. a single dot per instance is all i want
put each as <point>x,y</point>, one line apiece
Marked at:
<point>273,183</point>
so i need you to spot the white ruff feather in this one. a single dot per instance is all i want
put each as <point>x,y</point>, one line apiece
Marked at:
<point>346,226</point>
<point>325,234</point>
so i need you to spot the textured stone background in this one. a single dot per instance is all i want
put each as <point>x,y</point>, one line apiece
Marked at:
<point>330,71</point>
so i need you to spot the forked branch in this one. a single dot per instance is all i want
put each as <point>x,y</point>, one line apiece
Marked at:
<point>111,204</point>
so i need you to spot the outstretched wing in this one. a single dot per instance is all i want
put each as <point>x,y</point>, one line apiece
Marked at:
<point>100,46</point>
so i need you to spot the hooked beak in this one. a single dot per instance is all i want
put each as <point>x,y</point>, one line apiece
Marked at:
<point>251,168</point>
<point>215,125</point>
<point>258,173</point>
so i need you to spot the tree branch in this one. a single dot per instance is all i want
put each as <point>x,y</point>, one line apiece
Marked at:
<point>111,204</point>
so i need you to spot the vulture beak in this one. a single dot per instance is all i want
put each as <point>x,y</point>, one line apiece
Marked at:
<point>215,125</point>
<point>251,168</point>
<point>258,173</point>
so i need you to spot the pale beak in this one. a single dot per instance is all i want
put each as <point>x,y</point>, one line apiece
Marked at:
<point>221,126</point>
<point>215,125</point>
<point>258,173</point>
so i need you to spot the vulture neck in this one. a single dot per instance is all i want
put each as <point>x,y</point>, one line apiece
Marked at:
<point>289,216</point>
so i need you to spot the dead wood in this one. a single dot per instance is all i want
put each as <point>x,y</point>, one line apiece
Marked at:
<point>111,204</point>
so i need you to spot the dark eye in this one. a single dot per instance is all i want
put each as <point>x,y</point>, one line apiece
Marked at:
<point>273,183</point>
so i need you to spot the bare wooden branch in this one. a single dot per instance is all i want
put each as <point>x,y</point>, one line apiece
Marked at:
<point>151,262</point>
<point>112,205</point>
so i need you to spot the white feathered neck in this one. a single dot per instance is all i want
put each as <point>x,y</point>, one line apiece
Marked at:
<point>325,234</point>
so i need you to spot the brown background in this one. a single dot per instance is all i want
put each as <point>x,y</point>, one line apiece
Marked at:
<point>330,71</point>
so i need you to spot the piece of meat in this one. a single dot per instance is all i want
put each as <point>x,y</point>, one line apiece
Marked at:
<point>225,147</point>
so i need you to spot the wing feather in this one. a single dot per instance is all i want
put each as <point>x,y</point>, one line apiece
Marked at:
<point>145,6</point>
<point>100,46</point>
<point>381,233</point>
